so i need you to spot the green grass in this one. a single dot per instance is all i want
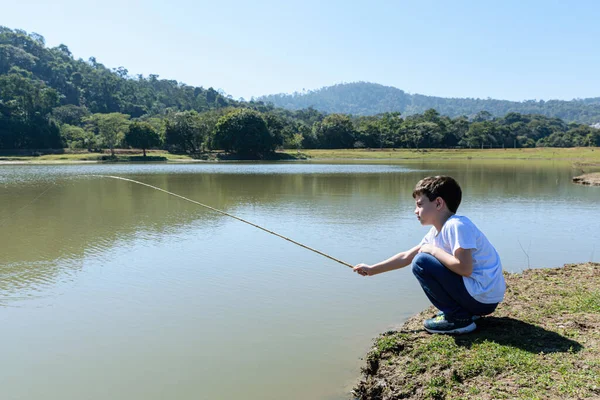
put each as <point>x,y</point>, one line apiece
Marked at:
<point>542,342</point>
<point>79,157</point>
<point>579,154</point>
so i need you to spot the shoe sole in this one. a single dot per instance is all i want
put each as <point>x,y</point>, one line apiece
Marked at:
<point>473,318</point>
<point>465,329</point>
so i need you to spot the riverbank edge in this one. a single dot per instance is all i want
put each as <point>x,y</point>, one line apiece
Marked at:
<point>592,179</point>
<point>543,341</point>
<point>579,156</point>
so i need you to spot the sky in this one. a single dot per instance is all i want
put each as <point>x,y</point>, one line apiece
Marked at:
<point>512,50</point>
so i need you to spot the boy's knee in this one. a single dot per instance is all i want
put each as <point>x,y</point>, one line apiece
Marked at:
<point>420,262</point>
<point>423,258</point>
<point>425,263</point>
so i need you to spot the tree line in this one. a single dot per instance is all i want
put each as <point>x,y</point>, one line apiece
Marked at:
<point>50,100</point>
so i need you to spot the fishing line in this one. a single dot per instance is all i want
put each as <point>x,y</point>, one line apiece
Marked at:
<point>229,215</point>
<point>3,222</point>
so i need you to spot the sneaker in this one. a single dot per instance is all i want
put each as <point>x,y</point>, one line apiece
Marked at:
<point>473,317</point>
<point>440,324</point>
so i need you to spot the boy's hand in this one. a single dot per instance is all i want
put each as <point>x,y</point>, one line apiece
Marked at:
<point>363,269</point>
<point>427,248</point>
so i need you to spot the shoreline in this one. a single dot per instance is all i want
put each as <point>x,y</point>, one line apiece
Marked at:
<point>592,179</point>
<point>579,157</point>
<point>543,341</point>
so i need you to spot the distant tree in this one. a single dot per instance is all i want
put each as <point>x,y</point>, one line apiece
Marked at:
<point>187,132</point>
<point>11,56</point>
<point>370,131</point>
<point>24,107</point>
<point>593,138</point>
<point>480,134</point>
<point>277,126</point>
<point>211,95</point>
<point>70,114</point>
<point>142,136</point>
<point>76,137</point>
<point>483,116</point>
<point>432,115</point>
<point>296,141</point>
<point>245,132</point>
<point>336,131</point>
<point>110,128</point>
<point>390,129</point>
<point>430,134</point>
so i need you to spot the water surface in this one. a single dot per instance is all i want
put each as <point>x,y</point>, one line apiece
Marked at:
<point>113,290</point>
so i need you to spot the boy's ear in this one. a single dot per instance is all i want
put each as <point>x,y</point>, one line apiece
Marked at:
<point>439,203</point>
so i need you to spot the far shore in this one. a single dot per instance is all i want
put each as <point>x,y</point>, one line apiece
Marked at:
<point>581,157</point>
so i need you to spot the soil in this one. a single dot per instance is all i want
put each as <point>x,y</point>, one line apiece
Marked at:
<point>592,179</point>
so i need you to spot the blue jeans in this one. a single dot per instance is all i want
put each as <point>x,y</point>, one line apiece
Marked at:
<point>446,290</point>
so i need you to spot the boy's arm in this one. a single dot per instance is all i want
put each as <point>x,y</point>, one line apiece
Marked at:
<point>461,262</point>
<point>400,260</point>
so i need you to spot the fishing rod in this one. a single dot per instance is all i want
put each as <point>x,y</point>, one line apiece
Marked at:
<point>229,215</point>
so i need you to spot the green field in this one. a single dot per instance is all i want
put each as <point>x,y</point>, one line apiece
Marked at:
<point>575,154</point>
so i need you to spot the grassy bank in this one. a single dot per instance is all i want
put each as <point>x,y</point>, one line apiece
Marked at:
<point>83,157</point>
<point>580,156</point>
<point>127,155</point>
<point>589,155</point>
<point>543,342</point>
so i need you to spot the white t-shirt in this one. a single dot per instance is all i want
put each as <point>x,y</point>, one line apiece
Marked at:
<point>486,283</point>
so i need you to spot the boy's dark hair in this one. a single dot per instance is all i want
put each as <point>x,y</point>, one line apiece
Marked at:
<point>440,186</point>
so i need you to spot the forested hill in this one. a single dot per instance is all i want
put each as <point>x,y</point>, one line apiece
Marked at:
<point>363,98</point>
<point>50,100</point>
<point>52,77</point>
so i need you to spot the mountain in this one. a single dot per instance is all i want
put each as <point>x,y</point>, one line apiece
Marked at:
<point>364,98</point>
<point>52,76</point>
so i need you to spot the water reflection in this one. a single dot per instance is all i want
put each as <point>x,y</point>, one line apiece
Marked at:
<point>53,217</point>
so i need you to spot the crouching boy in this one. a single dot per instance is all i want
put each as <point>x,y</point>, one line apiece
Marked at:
<point>457,267</point>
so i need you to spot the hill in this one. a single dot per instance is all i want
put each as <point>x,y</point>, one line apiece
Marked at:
<point>61,80</point>
<point>364,98</point>
<point>50,100</point>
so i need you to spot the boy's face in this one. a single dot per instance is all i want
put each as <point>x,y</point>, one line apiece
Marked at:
<point>426,210</point>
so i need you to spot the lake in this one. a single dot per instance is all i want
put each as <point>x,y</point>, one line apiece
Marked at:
<point>110,289</point>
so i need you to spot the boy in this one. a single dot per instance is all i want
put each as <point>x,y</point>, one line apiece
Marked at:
<point>457,267</point>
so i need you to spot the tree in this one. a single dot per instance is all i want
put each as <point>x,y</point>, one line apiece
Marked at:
<point>70,114</point>
<point>296,141</point>
<point>244,132</point>
<point>110,128</point>
<point>593,138</point>
<point>142,135</point>
<point>187,132</point>
<point>11,56</point>
<point>277,125</point>
<point>336,131</point>
<point>24,107</point>
<point>483,116</point>
<point>480,133</point>
<point>389,129</point>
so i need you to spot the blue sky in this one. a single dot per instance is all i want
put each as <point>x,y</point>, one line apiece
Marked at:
<point>515,50</point>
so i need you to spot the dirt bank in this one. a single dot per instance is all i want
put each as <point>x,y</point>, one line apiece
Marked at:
<point>592,179</point>
<point>543,341</point>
